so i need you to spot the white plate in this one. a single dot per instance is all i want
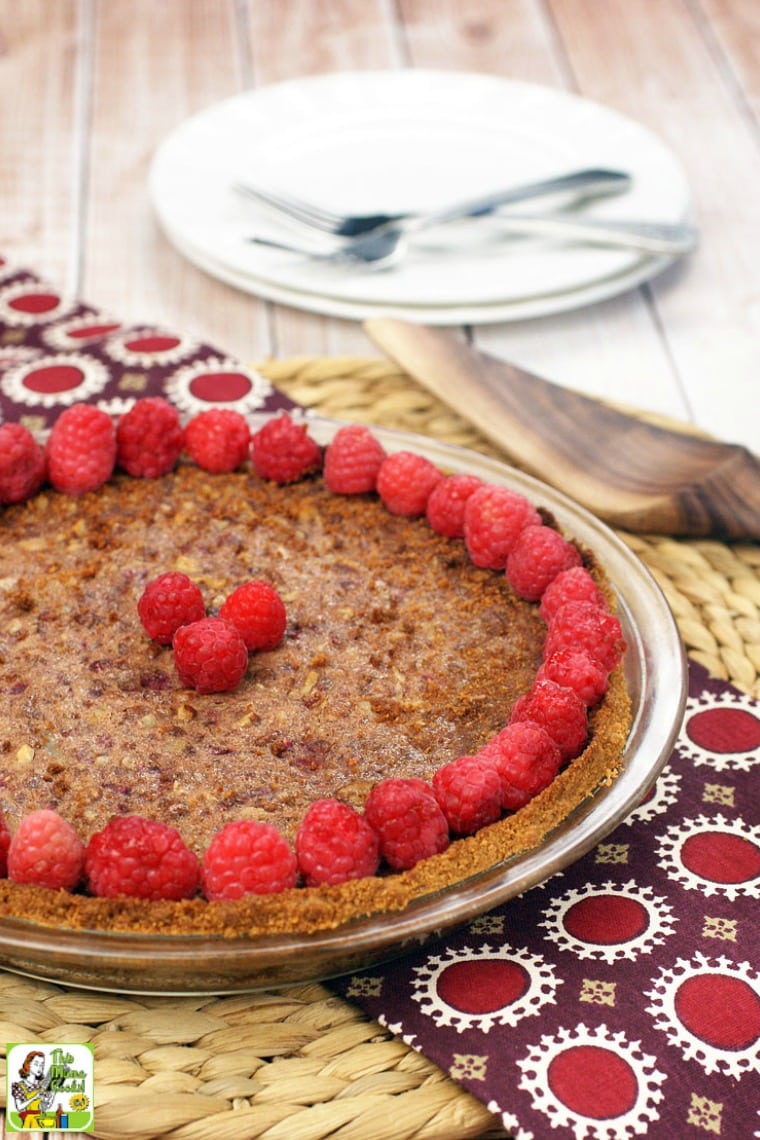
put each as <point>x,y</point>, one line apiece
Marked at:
<point>373,141</point>
<point>517,310</point>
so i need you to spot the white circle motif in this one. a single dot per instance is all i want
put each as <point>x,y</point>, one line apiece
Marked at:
<point>179,387</point>
<point>660,920</point>
<point>542,985</point>
<point>94,379</point>
<point>117,406</point>
<point>15,354</point>
<point>732,1062</point>
<point>670,846</point>
<point>720,761</point>
<point>535,1079</point>
<point>59,335</point>
<point>16,316</point>
<point>664,795</point>
<point>509,1122</point>
<point>117,347</point>
<point>397,1029</point>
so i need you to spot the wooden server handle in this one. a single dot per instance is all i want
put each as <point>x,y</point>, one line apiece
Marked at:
<point>634,475</point>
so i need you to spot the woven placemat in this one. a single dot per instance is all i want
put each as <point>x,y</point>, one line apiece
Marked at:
<point>302,1064</point>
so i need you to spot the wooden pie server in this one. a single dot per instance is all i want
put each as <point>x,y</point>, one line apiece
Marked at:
<point>634,475</point>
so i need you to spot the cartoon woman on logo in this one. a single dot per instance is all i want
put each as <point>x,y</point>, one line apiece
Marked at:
<point>31,1092</point>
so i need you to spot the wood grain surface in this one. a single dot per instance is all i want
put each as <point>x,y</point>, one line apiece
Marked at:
<point>89,88</point>
<point>637,476</point>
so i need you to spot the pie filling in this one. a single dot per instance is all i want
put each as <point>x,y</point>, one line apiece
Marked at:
<point>399,656</point>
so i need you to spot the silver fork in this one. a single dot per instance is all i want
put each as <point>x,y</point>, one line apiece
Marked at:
<point>575,186</point>
<point>386,247</point>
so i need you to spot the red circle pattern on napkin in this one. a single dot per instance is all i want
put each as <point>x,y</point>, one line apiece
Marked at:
<point>618,999</point>
<point>55,352</point>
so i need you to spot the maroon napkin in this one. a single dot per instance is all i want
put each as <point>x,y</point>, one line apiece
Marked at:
<point>56,351</point>
<point>622,997</point>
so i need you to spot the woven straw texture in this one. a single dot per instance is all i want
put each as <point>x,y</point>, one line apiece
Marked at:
<point>301,1064</point>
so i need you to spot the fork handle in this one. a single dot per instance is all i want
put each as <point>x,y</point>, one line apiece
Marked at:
<point>592,181</point>
<point>648,237</point>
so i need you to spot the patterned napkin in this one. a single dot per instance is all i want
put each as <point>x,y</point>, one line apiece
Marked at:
<point>55,352</point>
<point>617,1000</point>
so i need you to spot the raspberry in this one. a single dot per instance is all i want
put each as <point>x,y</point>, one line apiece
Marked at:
<point>5,839</point>
<point>210,655</point>
<point>493,518</point>
<point>469,792</point>
<point>218,440</point>
<point>405,481</point>
<point>557,709</point>
<point>22,464</point>
<point>247,858</point>
<point>141,859</point>
<point>447,502</point>
<point>584,625</point>
<point>168,602</point>
<point>537,557</point>
<point>334,843</point>
<point>258,613</point>
<point>353,460</point>
<point>408,820</point>
<point>150,438</point>
<point>573,585</point>
<point>576,669</point>
<point>283,451</point>
<point>526,758</point>
<point>46,850</point>
<point>80,450</point>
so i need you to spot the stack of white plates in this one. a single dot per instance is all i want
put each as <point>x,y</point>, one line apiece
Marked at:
<point>411,140</point>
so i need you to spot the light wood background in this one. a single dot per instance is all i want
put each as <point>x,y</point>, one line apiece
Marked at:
<point>89,88</point>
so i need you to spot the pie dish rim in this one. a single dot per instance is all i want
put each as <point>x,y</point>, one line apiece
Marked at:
<point>656,675</point>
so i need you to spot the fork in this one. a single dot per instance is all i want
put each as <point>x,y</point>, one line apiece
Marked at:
<point>387,246</point>
<point>579,184</point>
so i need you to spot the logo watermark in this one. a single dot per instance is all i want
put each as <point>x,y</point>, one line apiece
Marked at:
<point>49,1088</point>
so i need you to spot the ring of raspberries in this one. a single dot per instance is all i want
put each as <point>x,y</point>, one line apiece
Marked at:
<point>404,820</point>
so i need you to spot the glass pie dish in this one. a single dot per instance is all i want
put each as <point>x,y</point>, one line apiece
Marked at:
<point>655,670</point>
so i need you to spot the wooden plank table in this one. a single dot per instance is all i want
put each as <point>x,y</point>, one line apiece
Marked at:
<point>89,88</point>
